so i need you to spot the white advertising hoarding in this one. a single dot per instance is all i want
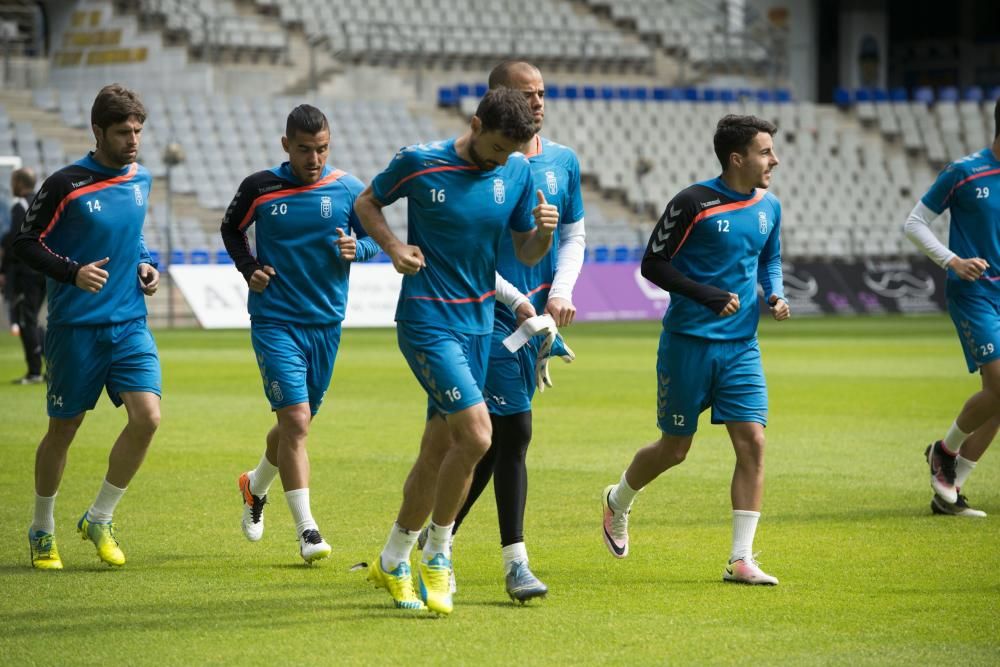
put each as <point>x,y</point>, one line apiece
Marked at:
<point>217,294</point>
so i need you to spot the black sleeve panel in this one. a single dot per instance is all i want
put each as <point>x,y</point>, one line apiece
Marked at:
<point>669,235</point>
<point>45,211</point>
<point>240,215</point>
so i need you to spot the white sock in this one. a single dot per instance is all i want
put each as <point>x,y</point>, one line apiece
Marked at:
<point>398,547</point>
<point>744,528</point>
<point>438,540</point>
<point>954,438</point>
<point>298,503</point>
<point>45,518</point>
<point>513,553</point>
<point>622,496</point>
<point>262,476</point>
<point>105,503</point>
<point>963,468</point>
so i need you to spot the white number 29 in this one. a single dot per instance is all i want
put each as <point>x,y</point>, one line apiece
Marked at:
<point>982,193</point>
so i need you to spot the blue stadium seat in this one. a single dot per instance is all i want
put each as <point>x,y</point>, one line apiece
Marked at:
<point>880,94</point>
<point>553,92</point>
<point>155,255</point>
<point>640,93</point>
<point>481,89</point>
<point>601,254</point>
<point>948,94</point>
<point>841,97</point>
<point>862,95</point>
<point>898,94</point>
<point>782,95</point>
<point>710,95</point>
<point>463,90</point>
<point>177,257</point>
<point>764,95</point>
<point>973,94</point>
<point>661,94</point>
<point>637,252</point>
<point>589,93</point>
<point>993,94</point>
<point>620,253</point>
<point>571,92</point>
<point>222,257</point>
<point>608,93</point>
<point>727,95</point>
<point>446,97</point>
<point>690,94</point>
<point>199,257</point>
<point>923,94</point>
<point>623,93</point>
<point>745,94</point>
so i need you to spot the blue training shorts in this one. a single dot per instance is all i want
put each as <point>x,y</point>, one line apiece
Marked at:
<point>510,378</point>
<point>83,360</point>
<point>695,373</point>
<point>977,320</point>
<point>295,361</point>
<point>449,365</point>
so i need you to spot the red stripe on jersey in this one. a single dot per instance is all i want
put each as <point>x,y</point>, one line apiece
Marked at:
<point>76,194</point>
<point>723,208</point>
<point>277,194</point>
<point>456,167</point>
<point>536,148</point>
<point>962,182</point>
<point>471,299</point>
<point>539,289</point>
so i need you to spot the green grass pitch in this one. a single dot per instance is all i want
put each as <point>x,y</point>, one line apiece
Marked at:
<point>868,575</point>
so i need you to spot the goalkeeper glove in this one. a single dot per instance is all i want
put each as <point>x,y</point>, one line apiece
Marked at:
<point>552,346</point>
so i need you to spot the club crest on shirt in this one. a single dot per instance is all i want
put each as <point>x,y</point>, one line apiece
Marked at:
<point>137,191</point>
<point>762,218</point>
<point>276,391</point>
<point>551,182</point>
<point>499,193</point>
<point>325,207</point>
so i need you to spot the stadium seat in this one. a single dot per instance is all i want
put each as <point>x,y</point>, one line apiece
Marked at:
<point>898,94</point>
<point>200,257</point>
<point>973,94</point>
<point>177,257</point>
<point>924,94</point>
<point>948,94</point>
<point>621,253</point>
<point>222,257</point>
<point>601,254</point>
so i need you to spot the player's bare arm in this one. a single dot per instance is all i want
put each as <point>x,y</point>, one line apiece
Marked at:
<point>406,259</point>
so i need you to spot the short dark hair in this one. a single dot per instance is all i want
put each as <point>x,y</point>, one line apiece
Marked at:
<point>734,134</point>
<point>25,176</point>
<point>116,104</point>
<point>506,111</point>
<point>500,75</point>
<point>307,119</point>
<point>996,120</point>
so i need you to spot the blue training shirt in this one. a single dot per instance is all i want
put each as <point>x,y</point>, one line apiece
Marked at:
<point>556,172</point>
<point>83,213</point>
<point>457,215</point>
<point>726,239</point>
<point>296,233</point>
<point>970,189</point>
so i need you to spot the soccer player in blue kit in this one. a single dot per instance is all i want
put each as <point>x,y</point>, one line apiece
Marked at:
<point>84,232</point>
<point>714,242</point>
<point>546,287</point>
<point>303,216</point>
<point>970,189</point>
<point>462,195</point>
